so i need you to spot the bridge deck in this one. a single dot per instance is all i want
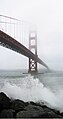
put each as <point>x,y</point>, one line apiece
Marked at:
<point>9,42</point>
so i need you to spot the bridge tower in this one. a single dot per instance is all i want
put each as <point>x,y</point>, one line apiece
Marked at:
<point>33,48</point>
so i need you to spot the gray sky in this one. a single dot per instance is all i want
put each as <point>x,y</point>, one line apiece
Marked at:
<point>47,16</point>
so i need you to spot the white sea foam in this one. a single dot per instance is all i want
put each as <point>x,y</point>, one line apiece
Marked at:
<point>31,89</point>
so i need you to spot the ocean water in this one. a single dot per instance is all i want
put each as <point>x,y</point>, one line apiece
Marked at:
<point>45,88</point>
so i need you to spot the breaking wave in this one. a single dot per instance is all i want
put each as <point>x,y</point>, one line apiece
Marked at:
<point>31,89</point>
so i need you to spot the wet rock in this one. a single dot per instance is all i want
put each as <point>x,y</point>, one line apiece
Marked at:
<point>46,109</point>
<point>33,108</point>
<point>17,105</point>
<point>4,101</point>
<point>20,109</point>
<point>7,113</point>
<point>33,103</point>
<point>50,114</point>
<point>38,104</point>
<point>30,111</point>
<point>26,104</point>
<point>61,114</point>
<point>56,111</point>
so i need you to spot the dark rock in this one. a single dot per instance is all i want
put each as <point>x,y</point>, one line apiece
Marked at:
<point>26,104</point>
<point>4,101</point>
<point>56,111</point>
<point>20,109</point>
<point>17,105</point>
<point>48,110</point>
<point>7,113</point>
<point>50,114</point>
<point>33,107</point>
<point>32,111</point>
<point>61,114</point>
<point>33,103</point>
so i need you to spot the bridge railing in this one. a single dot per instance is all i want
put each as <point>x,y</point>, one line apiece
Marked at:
<point>15,28</point>
<point>10,26</point>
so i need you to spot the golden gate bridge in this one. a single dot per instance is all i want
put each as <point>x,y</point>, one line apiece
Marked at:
<point>11,33</point>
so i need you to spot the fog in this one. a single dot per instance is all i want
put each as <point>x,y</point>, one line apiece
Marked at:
<point>47,18</point>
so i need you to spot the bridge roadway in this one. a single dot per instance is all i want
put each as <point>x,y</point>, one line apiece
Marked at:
<point>9,42</point>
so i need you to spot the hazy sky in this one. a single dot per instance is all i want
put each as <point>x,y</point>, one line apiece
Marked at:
<point>47,16</point>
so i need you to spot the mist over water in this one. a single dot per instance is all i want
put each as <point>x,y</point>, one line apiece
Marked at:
<point>45,88</point>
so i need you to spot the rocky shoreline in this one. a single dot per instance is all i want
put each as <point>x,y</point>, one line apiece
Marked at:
<point>15,108</point>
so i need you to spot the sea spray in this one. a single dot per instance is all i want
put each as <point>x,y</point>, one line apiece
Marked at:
<point>31,89</point>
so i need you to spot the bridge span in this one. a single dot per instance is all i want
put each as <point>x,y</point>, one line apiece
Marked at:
<point>11,43</point>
